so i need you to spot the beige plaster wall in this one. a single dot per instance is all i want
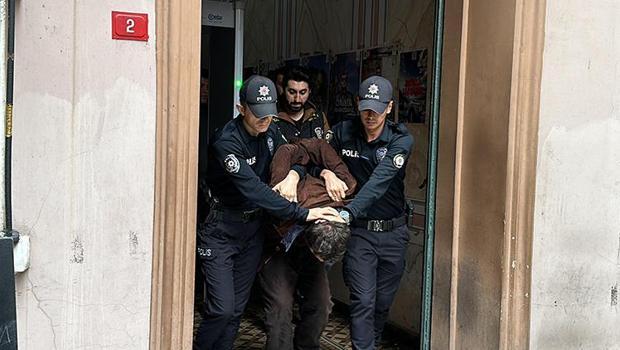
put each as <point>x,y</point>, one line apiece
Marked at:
<point>576,248</point>
<point>84,140</point>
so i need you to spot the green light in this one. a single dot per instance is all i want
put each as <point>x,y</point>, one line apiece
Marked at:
<point>238,83</point>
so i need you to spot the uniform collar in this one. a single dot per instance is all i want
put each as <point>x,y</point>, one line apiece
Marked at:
<point>245,135</point>
<point>385,136</point>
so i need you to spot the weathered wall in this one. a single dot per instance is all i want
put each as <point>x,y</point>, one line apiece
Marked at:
<point>576,252</point>
<point>84,138</point>
<point>480,185</point>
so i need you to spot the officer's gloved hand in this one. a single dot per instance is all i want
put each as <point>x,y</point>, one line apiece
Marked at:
<point>287,188</point>
<point>336,188</point>
<point>330,214</point>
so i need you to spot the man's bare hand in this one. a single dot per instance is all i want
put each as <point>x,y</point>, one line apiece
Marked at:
<point>336,188</point>
<point>287,188</point>
<point>329,214</point>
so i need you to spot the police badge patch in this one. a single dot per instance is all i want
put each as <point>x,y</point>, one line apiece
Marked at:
<point>270,145</point>
<point>231,163</point>
<point>398,161</point>
<point>328,136</point>
<point>381,151</point>
<point>319,132</point>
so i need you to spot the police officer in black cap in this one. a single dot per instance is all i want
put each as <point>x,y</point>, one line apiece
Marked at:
<point>230,245</point>
<point>376,151</point>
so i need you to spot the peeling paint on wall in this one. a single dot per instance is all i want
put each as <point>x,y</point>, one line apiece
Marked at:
<point>78,251</point>
<point>133,243</point>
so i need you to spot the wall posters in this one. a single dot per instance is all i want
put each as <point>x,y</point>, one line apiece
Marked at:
<point>412,86</point>
<point>344,83</point>
<point>318,68</point>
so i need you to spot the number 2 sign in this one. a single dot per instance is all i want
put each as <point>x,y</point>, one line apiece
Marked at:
<point>130,26</point>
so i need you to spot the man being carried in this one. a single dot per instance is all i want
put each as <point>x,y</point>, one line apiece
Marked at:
<point>297,267</point>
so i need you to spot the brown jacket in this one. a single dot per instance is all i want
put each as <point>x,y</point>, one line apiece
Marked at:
<point>311,192</point>
<point>313,124</point>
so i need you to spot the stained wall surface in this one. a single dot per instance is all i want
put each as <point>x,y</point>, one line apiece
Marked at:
<point>576,256</point>
<point>480,171</point>
<point>83,175</point>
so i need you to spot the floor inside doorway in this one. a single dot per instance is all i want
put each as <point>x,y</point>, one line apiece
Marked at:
<point>335,337</point>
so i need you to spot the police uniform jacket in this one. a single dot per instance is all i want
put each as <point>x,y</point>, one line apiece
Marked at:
<point>378,166</point>
<point>238,171</point>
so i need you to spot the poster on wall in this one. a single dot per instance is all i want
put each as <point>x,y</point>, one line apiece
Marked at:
<point>412,87</point>
<point>374,61</point>
<point>343,85</point>
<point>318,69</point>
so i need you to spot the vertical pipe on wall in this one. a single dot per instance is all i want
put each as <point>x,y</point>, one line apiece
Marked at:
<point>3,22</point>
<point>8,312</point>
<point>239,13</point>
<point>427,289</point>
<point>8,125</point>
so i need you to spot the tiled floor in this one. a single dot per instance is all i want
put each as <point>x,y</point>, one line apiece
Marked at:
<point>335,337</point>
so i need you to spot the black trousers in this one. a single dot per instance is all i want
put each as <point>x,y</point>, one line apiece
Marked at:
<point>230,254</point>
<point>372,269</point>
<point>285,278</point>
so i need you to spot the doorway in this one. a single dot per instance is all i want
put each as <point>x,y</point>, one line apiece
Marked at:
<point>515,48</point>
<point>339,44</point>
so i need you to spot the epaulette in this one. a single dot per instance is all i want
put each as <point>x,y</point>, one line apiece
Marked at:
<point>401,128</point>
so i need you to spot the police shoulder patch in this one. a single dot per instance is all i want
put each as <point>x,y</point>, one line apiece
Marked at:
<point>399,161</point>
<point>231,163</point>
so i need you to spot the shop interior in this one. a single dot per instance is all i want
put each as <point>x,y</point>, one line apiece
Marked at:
<point>340,43</point>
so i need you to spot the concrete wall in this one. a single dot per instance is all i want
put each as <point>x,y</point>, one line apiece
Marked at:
<point>576,261</point>
<point>84,140</point>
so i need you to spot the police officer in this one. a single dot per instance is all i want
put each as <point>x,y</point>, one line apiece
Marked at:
<point>298,117</point>
<point>376,151</point>
<point>230,246</point>
<point>293,272</point>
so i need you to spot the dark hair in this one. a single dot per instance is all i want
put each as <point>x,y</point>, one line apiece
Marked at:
<point>297,74</point>
<point>328,240</point>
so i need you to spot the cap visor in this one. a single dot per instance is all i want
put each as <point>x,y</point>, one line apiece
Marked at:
<point>376,106</point>
<point>262,110</point>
